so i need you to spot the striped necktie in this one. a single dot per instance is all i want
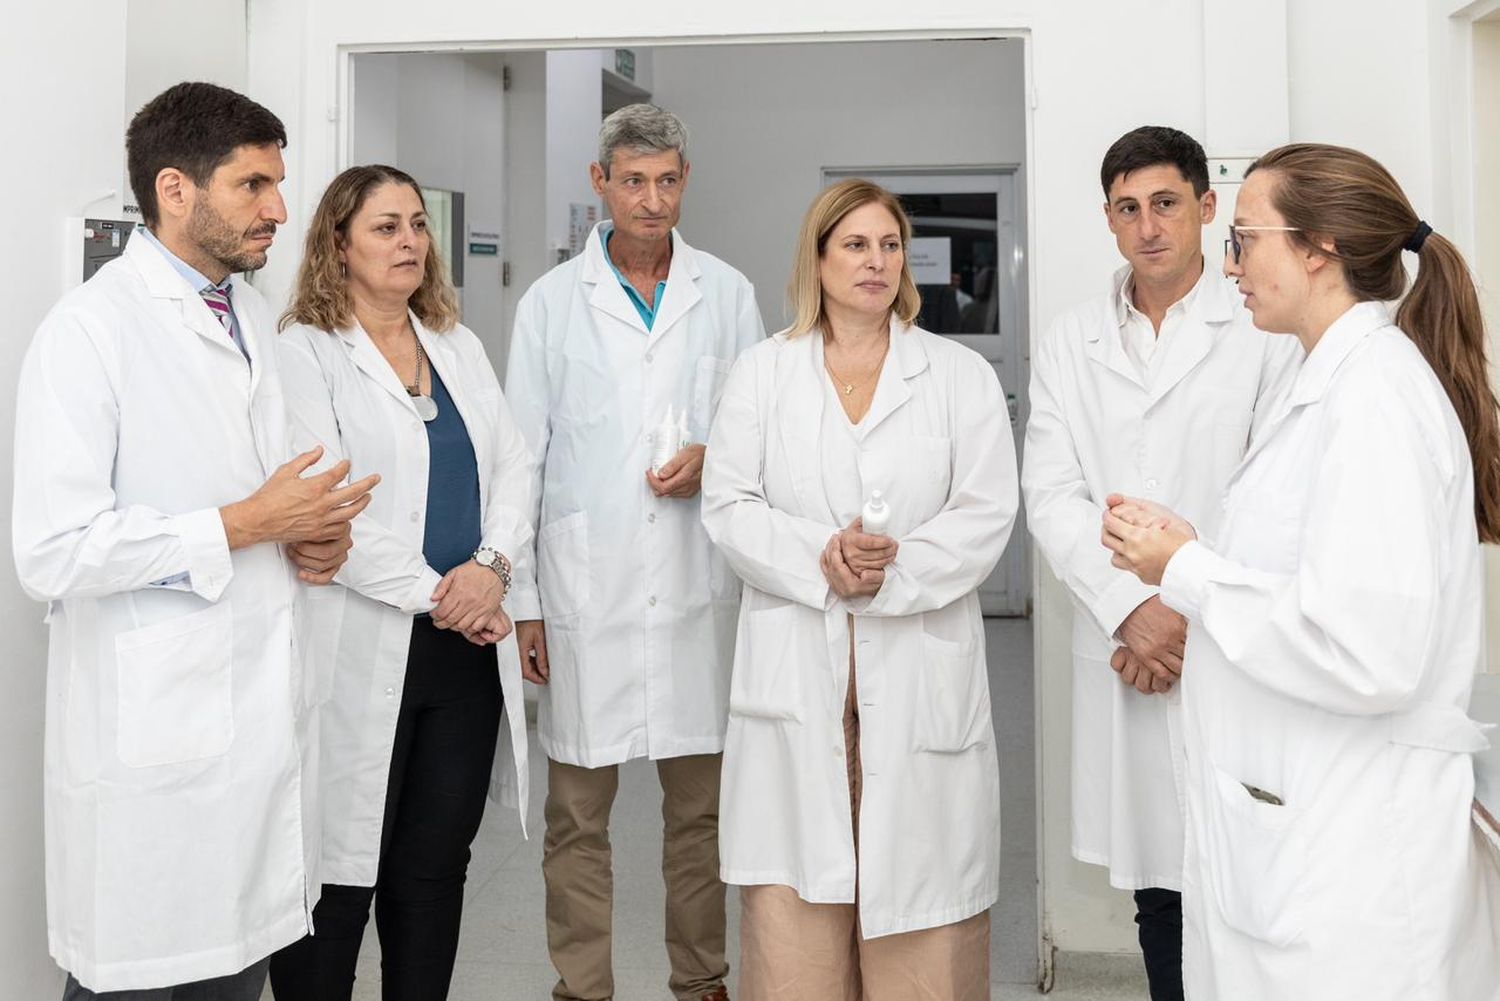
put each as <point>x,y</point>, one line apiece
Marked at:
<point>218,304</point>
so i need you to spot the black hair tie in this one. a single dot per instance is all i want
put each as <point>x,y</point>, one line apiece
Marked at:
<point>1415,241</point>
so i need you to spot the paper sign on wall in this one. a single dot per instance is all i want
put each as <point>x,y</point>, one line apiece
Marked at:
<point>581,220</point>
<point>931,259</point>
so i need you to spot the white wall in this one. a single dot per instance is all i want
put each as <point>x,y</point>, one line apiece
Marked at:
<point>73,159</point>
<point>575,106</point>
<point>764,120</point>
<point>441,118</point>
<point>77,70</point>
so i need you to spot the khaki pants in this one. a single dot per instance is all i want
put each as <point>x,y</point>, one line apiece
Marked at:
<point>791,950</point>
<point>576,865</point>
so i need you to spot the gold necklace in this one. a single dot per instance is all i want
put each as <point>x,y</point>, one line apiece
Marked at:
<point>847,386</point>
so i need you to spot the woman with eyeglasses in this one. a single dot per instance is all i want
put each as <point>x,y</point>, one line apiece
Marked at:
<point>1336,618</point>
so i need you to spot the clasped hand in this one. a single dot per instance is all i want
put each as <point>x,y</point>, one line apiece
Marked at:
<point>1143,535</point>
<point>854,562</point>
<point>681,477</point>
<point>469,599</point>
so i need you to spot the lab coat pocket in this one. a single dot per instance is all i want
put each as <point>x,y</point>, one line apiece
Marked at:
<point>769,662</point>
<point>708,386</point>
<point>953,697</point>
<point>174,689</point>
<point>1256,857</point>
<point>562,556</point>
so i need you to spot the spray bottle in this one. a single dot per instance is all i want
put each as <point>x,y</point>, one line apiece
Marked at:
<point>664,442</point>
<point>876,515</point>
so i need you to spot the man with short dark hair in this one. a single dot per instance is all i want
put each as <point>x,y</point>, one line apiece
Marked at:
<point>1153,390</point>
<point>156,514</point>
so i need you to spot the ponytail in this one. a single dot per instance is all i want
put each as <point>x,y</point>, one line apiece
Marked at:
<point>1441,315</point>
<point>1342,194</point>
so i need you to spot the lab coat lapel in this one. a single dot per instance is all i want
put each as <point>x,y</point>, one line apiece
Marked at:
<point>682,292</point>
<point>607,296</point>
<point>904,361</point>
<point>368,359</point>
<point>1208,314</point>
<point>1102,342</point>
<point>1318,371</point>
<point>800,399</point>
<point>163,282</point>
<point>250,333</point>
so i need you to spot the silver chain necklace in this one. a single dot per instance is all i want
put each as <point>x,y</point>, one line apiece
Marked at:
<point>427,408</point>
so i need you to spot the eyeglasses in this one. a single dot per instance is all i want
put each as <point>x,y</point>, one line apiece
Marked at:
<point>1237,246</point>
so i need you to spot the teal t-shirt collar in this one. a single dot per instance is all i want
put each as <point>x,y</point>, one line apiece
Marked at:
<point>648,312</point>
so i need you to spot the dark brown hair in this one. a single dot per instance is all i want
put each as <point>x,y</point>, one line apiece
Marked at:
<point>1331,193</point>
<point>321,296</point>
<point>193,127</point>
<point>1152,146</point>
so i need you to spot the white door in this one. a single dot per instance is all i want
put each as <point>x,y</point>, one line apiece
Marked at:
<point>968,257</point>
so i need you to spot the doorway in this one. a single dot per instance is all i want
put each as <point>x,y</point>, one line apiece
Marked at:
<point>764,126</point>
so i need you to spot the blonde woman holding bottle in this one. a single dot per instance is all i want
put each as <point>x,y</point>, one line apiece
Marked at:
<point>859,711</point>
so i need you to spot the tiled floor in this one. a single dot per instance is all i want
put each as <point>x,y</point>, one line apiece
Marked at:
<point>503,952</point>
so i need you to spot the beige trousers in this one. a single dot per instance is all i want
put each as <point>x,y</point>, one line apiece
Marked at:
<point>791,950</point>
<point>576,865</point>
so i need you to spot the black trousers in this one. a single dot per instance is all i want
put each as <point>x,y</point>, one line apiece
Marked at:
<point>440,773</point>
<point>1159,917</point>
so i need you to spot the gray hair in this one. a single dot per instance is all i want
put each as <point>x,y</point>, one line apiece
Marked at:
<point>641,129</point>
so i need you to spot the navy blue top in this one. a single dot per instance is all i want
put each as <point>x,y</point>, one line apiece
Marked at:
<point>453,519</point>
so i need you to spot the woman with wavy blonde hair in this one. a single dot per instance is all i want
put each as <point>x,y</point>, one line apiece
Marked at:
<point>377,369</point>
<point>867,872</point>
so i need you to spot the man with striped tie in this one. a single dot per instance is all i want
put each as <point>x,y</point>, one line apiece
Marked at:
<point>158,515</point>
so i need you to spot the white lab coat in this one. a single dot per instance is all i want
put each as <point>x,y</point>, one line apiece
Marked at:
<point>1095,429</point>
<point>639,610</point>
<point>1336,622</point>
<point>179,791</point>
<point>342,394</point>
<point>938,442</point>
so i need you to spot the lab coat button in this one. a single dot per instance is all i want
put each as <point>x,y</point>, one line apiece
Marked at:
<point>1151,484</point>
<point>651,517</point>
<point>651,601</point>
<point>649,356</point>
<point>390,692</point>
<point>415,516</point>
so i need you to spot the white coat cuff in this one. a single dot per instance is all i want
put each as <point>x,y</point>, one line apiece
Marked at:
<point>419,599</point>
<point>1123,596</point>
<point>1184,583</point>
<point>206,547</point>
<point>522,603</point>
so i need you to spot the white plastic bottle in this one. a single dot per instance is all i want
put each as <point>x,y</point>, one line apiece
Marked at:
<point>664,442</point>
<point>683,439</point>
<point>876,515</point>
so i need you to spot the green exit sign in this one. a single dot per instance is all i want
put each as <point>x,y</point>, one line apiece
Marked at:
<point>625,63</point>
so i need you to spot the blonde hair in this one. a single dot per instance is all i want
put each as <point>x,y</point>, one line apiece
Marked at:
<point>321,298</point>
<point>805,291</point>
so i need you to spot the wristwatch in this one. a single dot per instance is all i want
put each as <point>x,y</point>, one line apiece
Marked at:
<point>496,561</point>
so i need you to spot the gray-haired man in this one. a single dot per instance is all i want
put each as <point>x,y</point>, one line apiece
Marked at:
<point>639,610</point>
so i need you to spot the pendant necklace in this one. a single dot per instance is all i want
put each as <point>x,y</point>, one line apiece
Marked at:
<point>427,408</point>
<point>848,388</point>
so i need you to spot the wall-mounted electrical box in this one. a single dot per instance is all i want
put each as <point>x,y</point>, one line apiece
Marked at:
<point>93,243</point>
